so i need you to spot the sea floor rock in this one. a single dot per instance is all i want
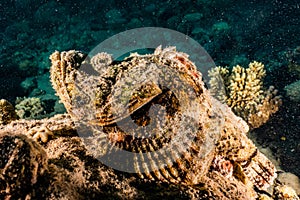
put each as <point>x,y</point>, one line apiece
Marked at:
<point>64,169</point>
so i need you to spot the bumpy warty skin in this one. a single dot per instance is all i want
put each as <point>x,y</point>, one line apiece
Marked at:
<point>251,169</point>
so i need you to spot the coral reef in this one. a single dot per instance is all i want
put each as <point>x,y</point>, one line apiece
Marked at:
<point>7,112</point>
<point>242,90</point>
<point>228,30</point>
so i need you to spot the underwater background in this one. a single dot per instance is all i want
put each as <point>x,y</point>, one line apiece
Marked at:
<point>231,31</point>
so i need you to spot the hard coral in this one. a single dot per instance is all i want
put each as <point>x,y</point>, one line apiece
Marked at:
<point>7,112</point>
<point>242,89</point>
<point>29,108</point>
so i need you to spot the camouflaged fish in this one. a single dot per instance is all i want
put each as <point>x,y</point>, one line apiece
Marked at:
<point>156,107</point>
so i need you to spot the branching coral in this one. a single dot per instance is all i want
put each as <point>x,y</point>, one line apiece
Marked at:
<point>242,89</point>
<point>29,108</point>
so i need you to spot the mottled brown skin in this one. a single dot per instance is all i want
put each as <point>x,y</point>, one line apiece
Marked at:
<point>190,168</point>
